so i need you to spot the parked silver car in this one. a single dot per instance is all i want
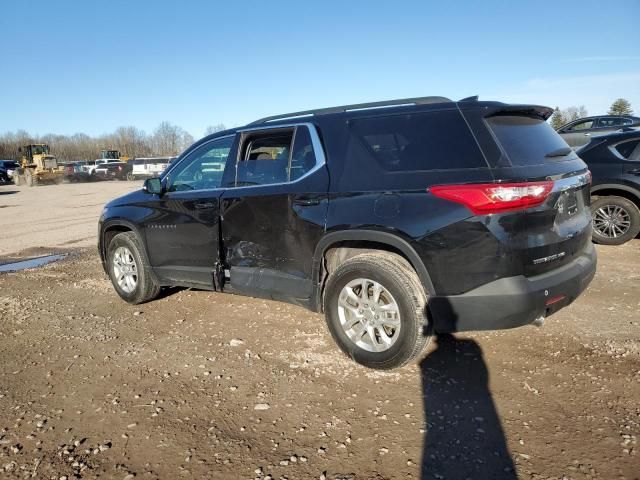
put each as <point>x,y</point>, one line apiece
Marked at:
<point>580,131</point>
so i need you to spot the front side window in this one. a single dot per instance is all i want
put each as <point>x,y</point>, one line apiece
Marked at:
<point>264,158</point>
<point>582,125</point>
<point>202,169</point>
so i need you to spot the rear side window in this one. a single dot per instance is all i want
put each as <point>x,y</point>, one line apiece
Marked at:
<point>264,159</point>
<point>528,140</point>
<point>303,157</point>
<point>629,150</point>
<point>425,141</point>
<point>610,122</point>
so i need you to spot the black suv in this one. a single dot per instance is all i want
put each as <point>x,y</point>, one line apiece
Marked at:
<point>394,218</point>
<point>614,161</point>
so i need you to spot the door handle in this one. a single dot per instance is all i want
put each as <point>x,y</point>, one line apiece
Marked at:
<point>306,202</point>
<point>634,171</point>
<point>587,134</point>
<point>203,205</point>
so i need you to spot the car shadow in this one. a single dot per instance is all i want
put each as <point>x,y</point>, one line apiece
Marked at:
<point>8,192</point>
<point>464,435</point>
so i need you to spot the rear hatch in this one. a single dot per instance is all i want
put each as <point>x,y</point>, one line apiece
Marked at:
<point>523,149</point>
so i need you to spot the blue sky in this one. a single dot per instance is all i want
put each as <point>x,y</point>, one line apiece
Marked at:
<point>91,66</point>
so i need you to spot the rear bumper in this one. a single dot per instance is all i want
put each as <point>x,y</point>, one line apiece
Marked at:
<point>514,301</point>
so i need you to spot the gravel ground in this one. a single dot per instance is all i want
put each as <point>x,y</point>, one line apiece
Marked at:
<point>205,385</point>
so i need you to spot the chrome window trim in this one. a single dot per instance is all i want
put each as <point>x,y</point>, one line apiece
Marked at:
<point>315,143</point>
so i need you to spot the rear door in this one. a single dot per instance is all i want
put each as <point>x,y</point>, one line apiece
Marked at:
<point>183,233</point>
<point>274,211</point>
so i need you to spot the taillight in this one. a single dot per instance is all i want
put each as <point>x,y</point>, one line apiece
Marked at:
<point>119,168</point>
<point>486,198</point>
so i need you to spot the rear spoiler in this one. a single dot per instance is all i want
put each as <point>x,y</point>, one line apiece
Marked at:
<point>495,109</point>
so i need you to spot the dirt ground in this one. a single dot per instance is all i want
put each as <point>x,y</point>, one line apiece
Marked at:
<point>204,385</point>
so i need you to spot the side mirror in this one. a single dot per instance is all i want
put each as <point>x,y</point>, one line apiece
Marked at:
<point>153,185</point>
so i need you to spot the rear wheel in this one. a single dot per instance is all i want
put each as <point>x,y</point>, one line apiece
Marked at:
<point>129,274</point>
<point>375,309</point>
<point>130,176</point>
<point>616,220</point>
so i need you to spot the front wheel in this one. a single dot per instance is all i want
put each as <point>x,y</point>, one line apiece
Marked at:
<point>616,220</point>
<point>129,274</point>
<point>375,309</point>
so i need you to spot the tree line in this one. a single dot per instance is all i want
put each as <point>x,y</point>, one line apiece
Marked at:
<point>166,140</point>
<point>561,117</point>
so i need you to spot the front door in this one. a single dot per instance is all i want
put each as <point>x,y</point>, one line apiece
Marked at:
<point>579,133</point>
<point>182,233</point>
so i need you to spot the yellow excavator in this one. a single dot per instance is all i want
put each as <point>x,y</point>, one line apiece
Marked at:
<point>113,155</point>
<point>37,166</point>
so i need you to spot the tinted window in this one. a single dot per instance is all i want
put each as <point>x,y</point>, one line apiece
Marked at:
<point>303,157</point>
<point>264,159</point>
<point>202,168</point>
<point>627,121</point>
<point>582,125</point>
<point>527,140</point>
<point>629,150</point>
<point>424,141</point>
<point>609,122</point>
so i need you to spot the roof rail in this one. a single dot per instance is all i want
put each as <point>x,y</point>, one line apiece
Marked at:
<point>356,106</point>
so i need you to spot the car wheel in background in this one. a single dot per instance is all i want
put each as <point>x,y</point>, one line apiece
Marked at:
<point>375,309</point>
<point>616,220</point>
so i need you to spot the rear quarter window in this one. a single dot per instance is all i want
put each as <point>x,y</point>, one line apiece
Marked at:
<point>527,140</point>
<point>417,142</point>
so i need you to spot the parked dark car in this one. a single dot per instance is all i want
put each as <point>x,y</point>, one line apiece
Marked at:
<point>112,171</point>
<point>74,172</point>
<point>7,167</point>
<point>394,218</point>
<point>579,132</point>
<point>614,161</point>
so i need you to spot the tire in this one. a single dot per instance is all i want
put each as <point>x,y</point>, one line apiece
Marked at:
<point>145,288</point>
<point>130,177</point>
<point>29,180</point>
<point>401,286</point>
<point>16,180</point>
<point>626,220</point>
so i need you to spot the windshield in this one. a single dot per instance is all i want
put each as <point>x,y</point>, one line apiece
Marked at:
<point>110,154</point>
<point>39,149</point>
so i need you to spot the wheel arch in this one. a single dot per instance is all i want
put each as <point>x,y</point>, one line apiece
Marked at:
<point>110,229</point>
<point>613,189</point>
<point>361,240</point>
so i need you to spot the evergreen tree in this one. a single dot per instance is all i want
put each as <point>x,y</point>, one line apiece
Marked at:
<point>621,106</point>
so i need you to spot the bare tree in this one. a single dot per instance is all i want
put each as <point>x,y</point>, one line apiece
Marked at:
<point>167,139</point>
<point>215,128</point>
